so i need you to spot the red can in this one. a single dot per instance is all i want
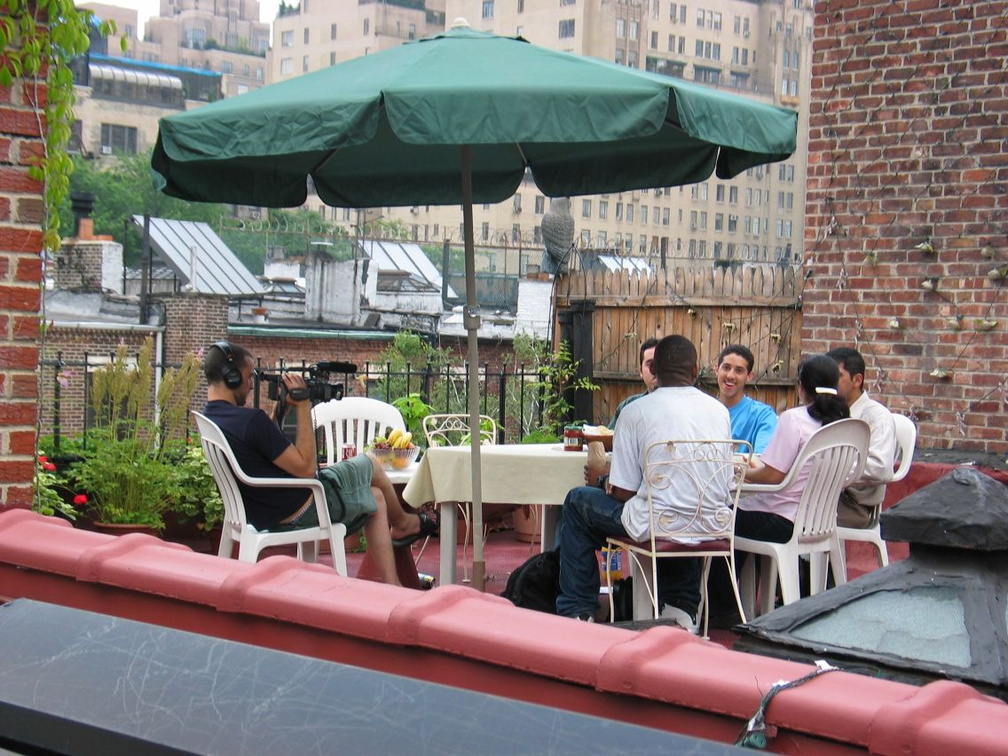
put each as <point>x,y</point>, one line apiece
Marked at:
<point>349,450</point>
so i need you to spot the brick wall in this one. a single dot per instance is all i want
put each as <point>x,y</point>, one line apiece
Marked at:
<point>21,213</point>
<point>908,127</point>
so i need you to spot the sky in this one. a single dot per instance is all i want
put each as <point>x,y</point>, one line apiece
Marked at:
<point>148,8</point>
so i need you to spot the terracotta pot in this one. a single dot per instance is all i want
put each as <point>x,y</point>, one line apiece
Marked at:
<point>526,522</point>
<point>119,528</point>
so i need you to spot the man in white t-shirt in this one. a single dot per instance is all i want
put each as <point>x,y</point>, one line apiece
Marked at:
<point>676,409</point>
<point>859,501</point>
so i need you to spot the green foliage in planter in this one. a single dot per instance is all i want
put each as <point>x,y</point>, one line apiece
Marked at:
<point>540,436</point>
<point>51,492</point>
<point>127,468</point>
<point>126,481</point>
<point>414,410</point>
<point>197,496</point>
<point>557,374</point>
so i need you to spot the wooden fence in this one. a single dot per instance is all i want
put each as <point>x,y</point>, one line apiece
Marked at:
<point>605,316</point>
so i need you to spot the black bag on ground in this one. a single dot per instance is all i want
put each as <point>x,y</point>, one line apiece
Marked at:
<point>535,584</point>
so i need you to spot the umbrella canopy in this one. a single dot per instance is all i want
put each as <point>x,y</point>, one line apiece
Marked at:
<point>456,118</point>
<point>384,129</point>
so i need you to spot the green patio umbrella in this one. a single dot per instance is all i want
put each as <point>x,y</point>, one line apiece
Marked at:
<point>459,118</point>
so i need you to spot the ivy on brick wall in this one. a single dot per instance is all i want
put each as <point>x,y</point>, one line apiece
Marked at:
<point>39,38</point>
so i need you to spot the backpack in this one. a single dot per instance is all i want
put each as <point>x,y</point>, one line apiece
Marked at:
<point>535,584</point>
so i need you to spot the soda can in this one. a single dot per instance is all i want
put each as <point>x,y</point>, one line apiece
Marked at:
<point>349,450</point>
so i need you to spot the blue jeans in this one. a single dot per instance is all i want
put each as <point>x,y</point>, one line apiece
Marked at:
<point>589,515</point>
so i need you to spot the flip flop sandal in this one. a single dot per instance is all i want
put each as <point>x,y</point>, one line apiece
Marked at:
<point>428,527</point>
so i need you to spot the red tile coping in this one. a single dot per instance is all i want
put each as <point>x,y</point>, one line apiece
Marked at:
<point>455,635</point>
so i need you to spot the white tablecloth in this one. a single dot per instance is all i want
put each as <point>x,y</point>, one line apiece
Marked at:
<point>511,474</point>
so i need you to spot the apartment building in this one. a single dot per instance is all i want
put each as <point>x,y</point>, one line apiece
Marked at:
<point>321,33</point>
<point>756,48</point>
<point>223,37</point>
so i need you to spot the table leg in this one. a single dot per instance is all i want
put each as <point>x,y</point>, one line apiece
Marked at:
<point>548,529</point>
<point>449,542</point>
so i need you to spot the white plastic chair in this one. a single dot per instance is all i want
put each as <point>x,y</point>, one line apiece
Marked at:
<point>353,420</point>
<point>227,473</point>
<point>906,441</point>
<point>834,456</point>
<point>712,471</point>
<point>453,430</point>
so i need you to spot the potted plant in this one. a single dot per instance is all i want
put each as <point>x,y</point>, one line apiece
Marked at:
<point>51,495</point>
<point>197,511</point>
<point>127,469</point>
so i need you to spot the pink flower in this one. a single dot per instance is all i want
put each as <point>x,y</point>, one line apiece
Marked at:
<point>80,500</point>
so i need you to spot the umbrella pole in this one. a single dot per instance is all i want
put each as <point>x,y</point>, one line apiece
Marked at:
<point>471,321</point>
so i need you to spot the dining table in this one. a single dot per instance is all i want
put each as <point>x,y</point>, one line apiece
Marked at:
<point>534,474</point>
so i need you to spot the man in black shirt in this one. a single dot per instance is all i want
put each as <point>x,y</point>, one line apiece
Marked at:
<point>367,498</point>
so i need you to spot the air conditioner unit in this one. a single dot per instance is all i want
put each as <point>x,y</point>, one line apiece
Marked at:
<point>106,149</point>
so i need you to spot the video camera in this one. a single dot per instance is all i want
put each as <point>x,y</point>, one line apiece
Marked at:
<point>317,377</point>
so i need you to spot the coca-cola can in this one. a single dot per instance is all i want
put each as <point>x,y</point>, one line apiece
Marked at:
<point>349,450</point>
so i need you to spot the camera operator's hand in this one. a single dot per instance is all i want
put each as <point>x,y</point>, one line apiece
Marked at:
<point>297,388</point>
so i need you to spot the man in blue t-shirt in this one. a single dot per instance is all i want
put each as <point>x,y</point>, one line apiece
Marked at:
<point>751,420</point>
<point>263,451</point>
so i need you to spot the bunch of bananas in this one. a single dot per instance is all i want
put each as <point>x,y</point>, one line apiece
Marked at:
<point>398,439</point>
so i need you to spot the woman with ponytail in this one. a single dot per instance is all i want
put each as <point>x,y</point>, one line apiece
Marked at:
<point>770,516</point>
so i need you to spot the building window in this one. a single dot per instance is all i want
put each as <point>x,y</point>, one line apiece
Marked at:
<point>521,6</point>
<point>540,205</point>
<point>632,59</point>
<point>226,66</point>
<point>304,63</point>
<point>566,28</point>
<point>643,214</point>
<point>367,27</point>
<point>332,31</point>
<point>488,9</point>
<point>634,30</point>
<point>485,232</point>
<point>195,37</point>
<point>719,221</point>
<point>732,224</point>
<point>620,58</point>
<point>666,216</point>
<point>517,203</point>
<point>515,233</point>
<point>307,35</point>
<point>116,138</point>
<point>286,66</point>
<point>586,208</point>
<point>332,59</point>
<point>603,209</point>
<point>619,211</point>
<point>287,39</point>
<point>620,28</point>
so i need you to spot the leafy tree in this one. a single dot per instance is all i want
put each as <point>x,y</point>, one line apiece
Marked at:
<point>123,189</point>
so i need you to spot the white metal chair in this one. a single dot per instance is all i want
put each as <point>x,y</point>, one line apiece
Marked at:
<point>453,430</point>
<point>711,471</point>
<point>833,457</point>
<point>227,473</point>
<point>353,420</point>
<point>906,441</point>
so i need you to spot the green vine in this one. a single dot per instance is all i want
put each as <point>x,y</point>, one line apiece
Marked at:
<point>39,38</point>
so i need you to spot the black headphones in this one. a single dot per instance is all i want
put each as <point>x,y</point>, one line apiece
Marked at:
<point>229,373</point>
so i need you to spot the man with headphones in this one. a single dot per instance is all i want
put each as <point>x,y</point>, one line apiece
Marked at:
<point>366,498</point>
